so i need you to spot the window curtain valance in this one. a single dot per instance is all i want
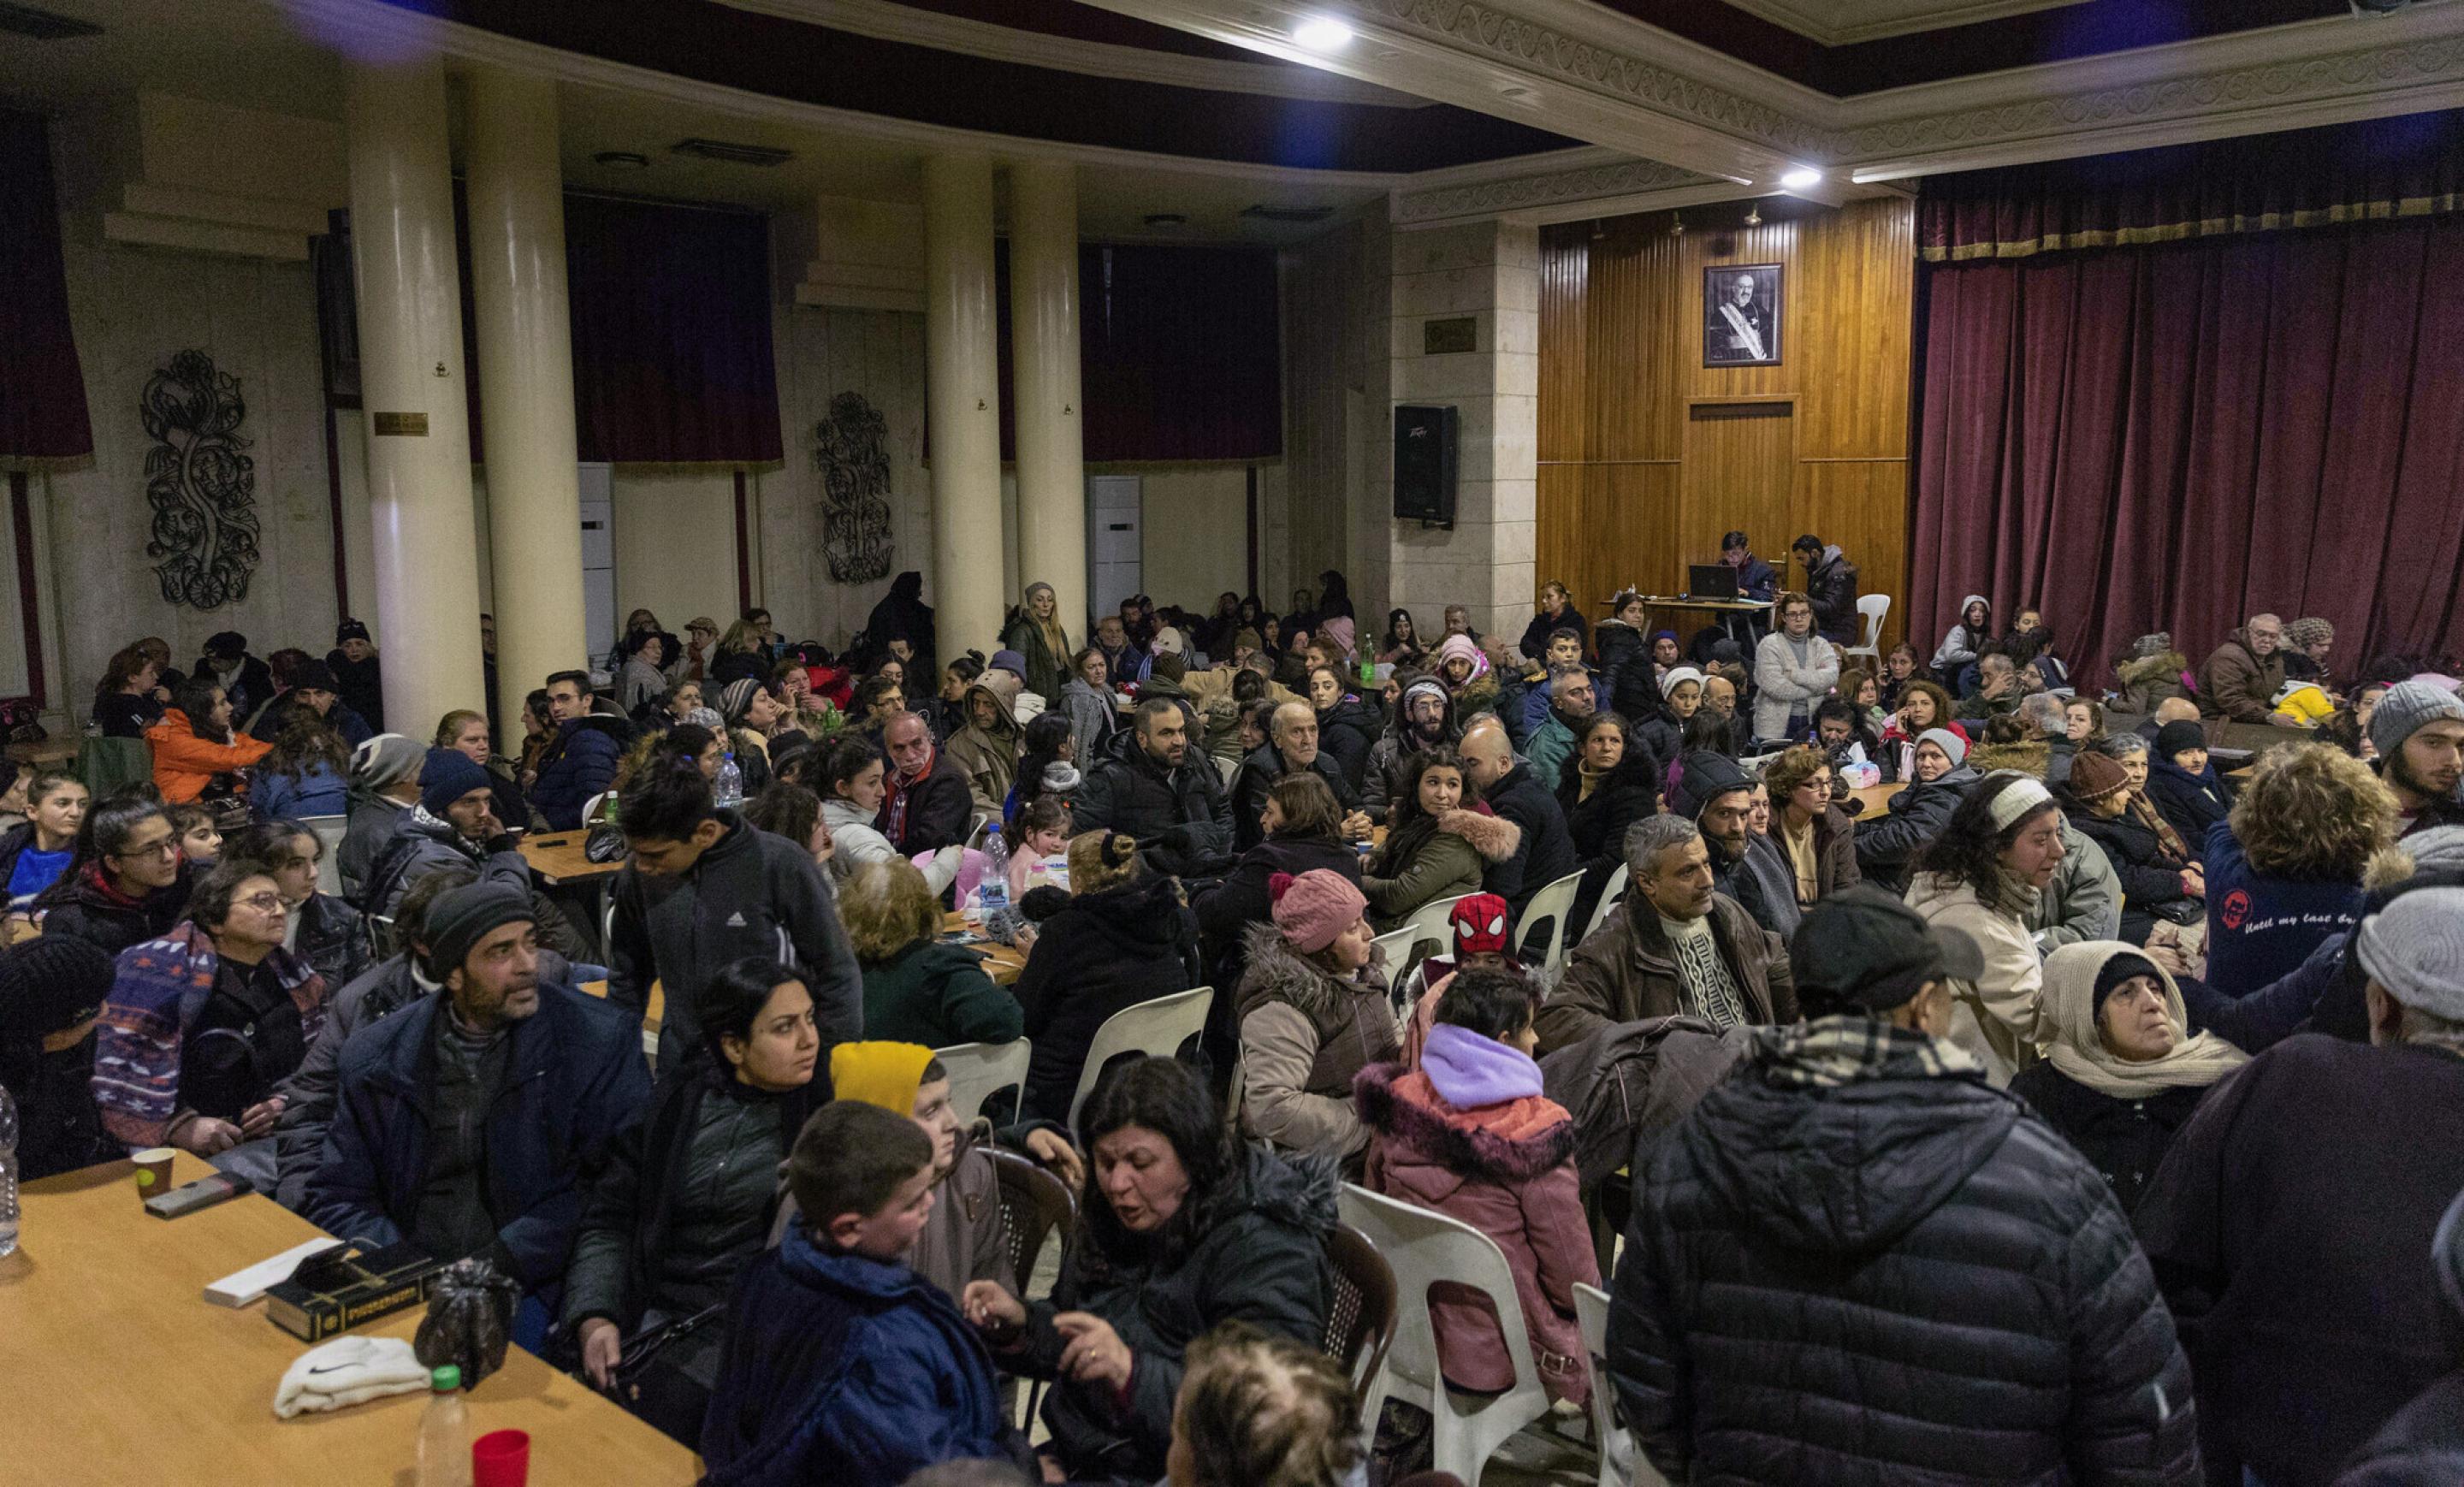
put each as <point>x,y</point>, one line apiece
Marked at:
<point>2377,170</point>
<point>42,388</point>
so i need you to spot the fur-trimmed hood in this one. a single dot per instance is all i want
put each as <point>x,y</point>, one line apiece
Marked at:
<point>1493,837</point>
<point>2165,665</point>
<point>1275,972</point>
<point>1510,1142</point>
<point>2031,758</point>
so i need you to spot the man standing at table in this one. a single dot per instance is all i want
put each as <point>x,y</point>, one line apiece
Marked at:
<point>466,1124</point>
<point>1831,582</point>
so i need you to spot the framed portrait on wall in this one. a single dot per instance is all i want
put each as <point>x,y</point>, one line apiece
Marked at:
<point>1741,315</point>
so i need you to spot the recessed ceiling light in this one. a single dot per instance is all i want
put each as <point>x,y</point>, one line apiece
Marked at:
<point>621,160</point>
<point>1800,177</point>
<point>1321,34</point>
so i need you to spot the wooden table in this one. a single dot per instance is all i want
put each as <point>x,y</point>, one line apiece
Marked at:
<point>126,1374</point>
<point>650,1016</point>
<point>1877,799</point>
<point>559,859</point>
<point>1002,962</point>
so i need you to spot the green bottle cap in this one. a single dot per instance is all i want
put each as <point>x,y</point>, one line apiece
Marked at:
<point>446,1380</point>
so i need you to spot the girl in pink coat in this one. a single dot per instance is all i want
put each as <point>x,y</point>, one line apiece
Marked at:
<point>1469,1135</point>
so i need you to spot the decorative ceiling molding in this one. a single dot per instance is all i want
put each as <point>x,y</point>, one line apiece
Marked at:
<point>1589,185</point>
<point>1838,23</point>
<point>887,20</point>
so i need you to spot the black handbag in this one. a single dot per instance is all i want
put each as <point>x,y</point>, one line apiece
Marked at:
<point>663,1374</point>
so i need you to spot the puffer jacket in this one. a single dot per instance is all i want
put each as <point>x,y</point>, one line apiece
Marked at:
<point>1885,847</point>
<point>2150,680</point>
<point>1348,731</point>
<point>1255,1249</point>
<point>333,938</point>
<point>1626,971</point>
<point>988,754</point>
<point>2238,685</point>
<point>580,762</point>
<point>85,906</point>
<point>1450,861</point>
<point>1780,1315</point>
<point>937,996</point>
<point>1469,1135</point>
<point>183,763</point>
<point>1305,1036</point>
<point>422,844</point>
<point>1596,825</point>
<point>1832,585</point>
<point>685,1198</point>
<point>2083,901</point>
<point>1178,816</point>
<point>1046,672</point>
<point>1106,951</point>
<point>2000,1018</point>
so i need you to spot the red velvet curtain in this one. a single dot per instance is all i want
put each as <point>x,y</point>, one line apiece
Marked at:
<point>42,389</point>
<point>2172,437</point>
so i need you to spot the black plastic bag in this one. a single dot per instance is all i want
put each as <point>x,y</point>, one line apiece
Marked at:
<point>469,1321</point>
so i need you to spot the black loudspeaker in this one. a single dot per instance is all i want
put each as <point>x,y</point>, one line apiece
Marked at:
<point>1424,466</point>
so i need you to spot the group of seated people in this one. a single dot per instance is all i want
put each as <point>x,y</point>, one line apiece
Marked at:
<point>415,1059</point>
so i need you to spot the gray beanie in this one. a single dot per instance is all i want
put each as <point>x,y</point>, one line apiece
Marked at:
<point>386,759</point>
<point>462,917</point>
<point>2439,849</point>
<point>2406,709</point>
<point>2414,947</point>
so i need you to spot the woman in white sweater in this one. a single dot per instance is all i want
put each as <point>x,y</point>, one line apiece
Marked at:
<point>1793,670</point>
<point>852,782</point>
<point>1981,877</point>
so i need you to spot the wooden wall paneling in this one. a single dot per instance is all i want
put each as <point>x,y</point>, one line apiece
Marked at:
<point>1862,505</point>
<point>1561,531</point>
<point>1565,378</point>
<point>1635,345</point>
<point>1858,281</point>
<point>1772,242</point>
<point>1740,466</point>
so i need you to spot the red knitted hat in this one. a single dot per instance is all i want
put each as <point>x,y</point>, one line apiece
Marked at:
<point>1479,921</point>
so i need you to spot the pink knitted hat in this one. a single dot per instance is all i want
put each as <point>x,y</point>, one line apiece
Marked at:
<point>1315,907</point>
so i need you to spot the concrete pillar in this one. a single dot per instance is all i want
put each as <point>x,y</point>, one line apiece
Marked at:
<point>962,401</point>
<point>1043,363</point>
<point>424,536</point>
<point>516,199</point>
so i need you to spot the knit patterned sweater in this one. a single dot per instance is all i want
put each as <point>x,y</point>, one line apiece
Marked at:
<point>156,992</point>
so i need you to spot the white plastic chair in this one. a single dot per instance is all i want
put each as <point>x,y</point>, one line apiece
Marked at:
<point>329,831</point>
<point>1157,1027</point>
<point>590,811</point>
<point>980,1071</point>
<point>1873,606</point>
<point>1423,1248</point>
<point>1609,892</point>
<point>1555,904</point>
<point>1428,923</point>
<point>1621,1461</point>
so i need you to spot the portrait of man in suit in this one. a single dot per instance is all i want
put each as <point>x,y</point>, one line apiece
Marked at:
<point>1740,316</point>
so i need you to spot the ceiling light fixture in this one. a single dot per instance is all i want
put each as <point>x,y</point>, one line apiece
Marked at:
<point>1755,215</point>
<point>1800,177</point>
<point>1321,34</point>
<point>1677,224</point>
<point>621,160</point>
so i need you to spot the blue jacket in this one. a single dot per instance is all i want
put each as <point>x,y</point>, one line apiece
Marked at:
<point>2262,1019</point>
<point>1756,580</point>
<point>845,1369</point>
<point>2261,928</point>
<point>317,791</point>
<point>580,764</point>
<point>2189,804</point>
<point>575,1081</point>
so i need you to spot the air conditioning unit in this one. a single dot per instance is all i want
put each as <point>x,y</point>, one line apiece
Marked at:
<point>2368,8</point>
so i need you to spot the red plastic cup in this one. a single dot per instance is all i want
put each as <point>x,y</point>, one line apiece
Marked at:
<point>501,1458</point>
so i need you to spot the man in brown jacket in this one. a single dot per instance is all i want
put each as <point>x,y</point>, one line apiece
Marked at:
<point>1673,945</point>
<point>2239,681</point>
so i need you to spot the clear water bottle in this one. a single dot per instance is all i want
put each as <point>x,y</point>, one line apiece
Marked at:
<point>991,894</point>
<point>729,787</point>
<point>445,1433</point>
<point>7,1173</point>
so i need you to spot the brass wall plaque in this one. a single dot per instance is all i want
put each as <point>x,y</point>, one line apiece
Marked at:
<point>1442,338</point>
<point>413,425</point>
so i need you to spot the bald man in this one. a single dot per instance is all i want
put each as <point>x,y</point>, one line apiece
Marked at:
<point>1292,746</point>
<point>1510,790</point>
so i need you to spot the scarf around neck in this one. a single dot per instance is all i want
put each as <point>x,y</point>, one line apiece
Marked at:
<point>1829,1052</point>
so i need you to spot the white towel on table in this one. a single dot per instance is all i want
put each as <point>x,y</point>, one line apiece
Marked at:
<point>348,1370</point>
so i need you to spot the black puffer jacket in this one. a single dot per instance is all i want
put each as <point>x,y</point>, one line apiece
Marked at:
<point>1598,825</point>
<point>1105,952</point>
<point>1628,680</point>
<point>1885,847</point>
<point>1259,1255</point>
<point>1347,731</point>
<point>1178,816</point>
<point>1543,853</point>
<point>80,905</point>
<point>1897,1279</point>
<point>332,939</point>
<point>2151,876</point>
<point>2124,1139</point>
<point>1259,771</point>
<point>1243,899</point>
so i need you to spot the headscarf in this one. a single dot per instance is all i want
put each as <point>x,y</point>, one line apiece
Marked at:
<point>1337,633</point>
<point>2070,1012</point>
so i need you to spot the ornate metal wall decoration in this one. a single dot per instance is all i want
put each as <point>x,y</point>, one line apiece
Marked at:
<point>203,488</point>
<point>853,453</point>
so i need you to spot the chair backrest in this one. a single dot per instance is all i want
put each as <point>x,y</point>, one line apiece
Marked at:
<point>1034,1204</point>
<point>1873,606</point>
<point>1609,892</point>
<point>1553,903</point>
<point>1619,1454</point>
<point>1360,1325</point>
<point>590,808</point>
<point>1396,946</point>
<point>329,831</point>
<point>1428,923</point>
<point>978,1071</point>
<point>1157,1027</point>
<point>1423,1247</point>
<point>380,936</point>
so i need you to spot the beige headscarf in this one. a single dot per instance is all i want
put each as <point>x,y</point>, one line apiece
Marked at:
<point>2078,1051</point>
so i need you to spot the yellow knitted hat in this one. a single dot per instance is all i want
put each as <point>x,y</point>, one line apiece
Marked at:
<point>886,1075</point>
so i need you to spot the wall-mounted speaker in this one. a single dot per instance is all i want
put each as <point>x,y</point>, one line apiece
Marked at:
<point>1424,464</point>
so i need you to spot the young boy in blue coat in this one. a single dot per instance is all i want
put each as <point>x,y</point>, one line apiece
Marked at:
<point>843,1365</point>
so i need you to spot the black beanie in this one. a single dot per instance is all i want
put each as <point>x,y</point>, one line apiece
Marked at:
<point>460,918</point>
<point>2174,737</point>
<point>51,984</point>
<point>2122,967</point>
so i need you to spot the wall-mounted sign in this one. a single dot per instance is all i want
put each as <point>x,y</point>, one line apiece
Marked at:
<point>399,425</point>
<point>1444,338</point>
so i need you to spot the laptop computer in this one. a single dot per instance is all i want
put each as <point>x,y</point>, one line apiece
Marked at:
<point>1710,580</point>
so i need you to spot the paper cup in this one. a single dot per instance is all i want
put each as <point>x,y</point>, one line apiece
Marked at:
<point>500,1458</point>
<point>153,1171</point>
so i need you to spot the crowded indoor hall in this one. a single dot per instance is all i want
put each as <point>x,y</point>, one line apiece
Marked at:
<point>1232,743</point>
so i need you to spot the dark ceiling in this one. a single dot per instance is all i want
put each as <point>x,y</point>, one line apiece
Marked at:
<point>813,64</point>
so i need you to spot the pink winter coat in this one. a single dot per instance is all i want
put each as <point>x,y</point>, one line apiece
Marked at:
<point>1470,1136</point>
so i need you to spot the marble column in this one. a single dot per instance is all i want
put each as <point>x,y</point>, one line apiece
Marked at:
<point>1043,335</point>
<point>516,201</point>
<point>962,401</point>
<point>424,536</point>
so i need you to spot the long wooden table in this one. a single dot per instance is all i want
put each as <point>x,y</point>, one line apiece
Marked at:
<point>1002,962</point>
<point>558,858</point>
<point>125,1374</point>
<point>1877,799</point>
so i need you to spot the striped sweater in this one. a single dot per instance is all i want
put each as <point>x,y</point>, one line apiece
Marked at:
<point>156,992</point>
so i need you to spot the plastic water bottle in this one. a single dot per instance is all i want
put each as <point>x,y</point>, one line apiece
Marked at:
<point>993,892</point>
<point>445,1433</point>
<point>730,788</point>
<point>7,1173</point>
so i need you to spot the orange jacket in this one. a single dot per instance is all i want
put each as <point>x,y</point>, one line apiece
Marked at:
<point>183,761</point>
